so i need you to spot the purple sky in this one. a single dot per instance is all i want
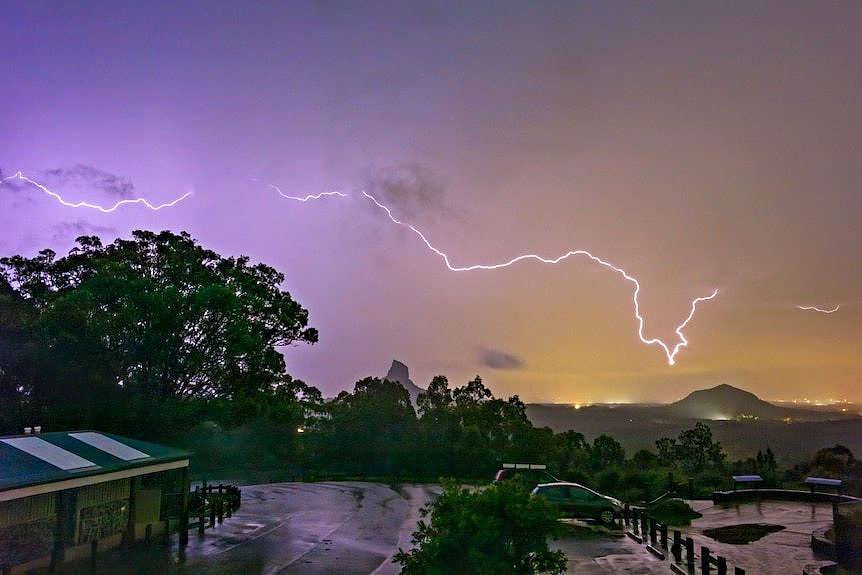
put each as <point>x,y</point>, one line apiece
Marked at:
<point>696,145</point>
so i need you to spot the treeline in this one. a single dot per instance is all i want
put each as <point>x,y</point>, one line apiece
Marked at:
<point>464,432</point>
<point>158,338</point>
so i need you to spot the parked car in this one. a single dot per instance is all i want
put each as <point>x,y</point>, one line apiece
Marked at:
<point>530,474</point>
<point>575,500</point>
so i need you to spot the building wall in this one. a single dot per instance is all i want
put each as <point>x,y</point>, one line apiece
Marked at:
<point>100,511</point>
<point>27,528</point>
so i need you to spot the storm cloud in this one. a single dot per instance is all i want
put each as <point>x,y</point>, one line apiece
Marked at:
<point>65,230</point>
<point>411,189</point>
<point>496,359</point>
<point>88,176</point>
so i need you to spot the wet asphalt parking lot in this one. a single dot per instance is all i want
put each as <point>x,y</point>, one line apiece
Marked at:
<point>356,528</point>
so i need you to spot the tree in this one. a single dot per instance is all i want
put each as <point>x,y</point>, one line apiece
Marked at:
<point>693,449</point>
<point>440,431</point>
<point>606,452</point>
<point>18,346</point>
<point>491,425</point>
<point>697,449</point>
<point>766,465</point>
<point>153,319</point>
<point>436,402</point>
<point>500,529</point>
<point>836,460</point>
<point>667,450</point>
<point>571,456</point>
<point>373,429</point>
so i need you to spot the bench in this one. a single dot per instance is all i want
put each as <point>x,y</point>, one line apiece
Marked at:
<point>813,482</point>
<point>750,479</point>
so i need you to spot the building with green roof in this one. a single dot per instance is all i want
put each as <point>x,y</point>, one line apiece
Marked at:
<point>65,495</point>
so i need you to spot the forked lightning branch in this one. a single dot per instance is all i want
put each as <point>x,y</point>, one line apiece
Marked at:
<point>671,350</point>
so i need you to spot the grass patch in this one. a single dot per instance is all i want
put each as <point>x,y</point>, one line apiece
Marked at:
<point>741,534</point>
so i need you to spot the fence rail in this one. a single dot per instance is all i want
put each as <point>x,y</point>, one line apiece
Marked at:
<point>212,503</point>
<point>644,529</point>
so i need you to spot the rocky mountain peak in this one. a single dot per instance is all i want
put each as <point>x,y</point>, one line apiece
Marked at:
<point>399,372</point>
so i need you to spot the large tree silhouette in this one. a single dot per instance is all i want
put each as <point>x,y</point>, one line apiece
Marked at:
<point>153,319</point>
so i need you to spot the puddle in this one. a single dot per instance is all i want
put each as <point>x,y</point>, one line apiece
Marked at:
<point>742,534</point>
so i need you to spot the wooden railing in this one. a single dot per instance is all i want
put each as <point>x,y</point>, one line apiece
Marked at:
<point>212,503</point>
<point>644,529</point>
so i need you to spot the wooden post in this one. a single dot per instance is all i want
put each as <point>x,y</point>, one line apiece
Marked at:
<point>677,546</point>
<point>663,532</point>
<point>738,571</point>
<point>212,512</point>
<point>689,550</point>
<point>130,533</point>
<point>626,511</point>
<point>94,551</point>
<point>721,563</point>
<point>65,516</point>
<point>184,508</point>
<point>643,525</point>
<point>636,522</point>
<point>652,530</point>
<point>704,560</point>
<point>202,513</point>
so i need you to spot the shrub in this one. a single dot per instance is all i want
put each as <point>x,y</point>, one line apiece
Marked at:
<point>673,512</point>
<point>499,529</point>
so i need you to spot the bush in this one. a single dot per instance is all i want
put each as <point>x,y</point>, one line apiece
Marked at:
<point>609,480</point>
<point>499,529</point>
<point>673,512</point>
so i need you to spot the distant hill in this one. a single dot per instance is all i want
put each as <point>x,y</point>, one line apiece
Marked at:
<point>728,402</point>
<point>398,372</point>
<point>741,421</point>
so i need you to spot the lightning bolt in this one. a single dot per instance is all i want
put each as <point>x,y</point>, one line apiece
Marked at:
<point>56,196</point>
<point>670,352</point>
<point>817,309</point>
<point>306,198</point>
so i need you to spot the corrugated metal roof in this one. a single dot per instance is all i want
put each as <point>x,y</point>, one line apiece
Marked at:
<point>56,456</point>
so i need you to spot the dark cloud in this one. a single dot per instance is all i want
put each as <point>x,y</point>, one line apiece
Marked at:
<point>12,186</point>
<point>496,359</point>
<point>65,230</point>
<point>93,177</point>
<point>10,182</point>
<point>410,189</point>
